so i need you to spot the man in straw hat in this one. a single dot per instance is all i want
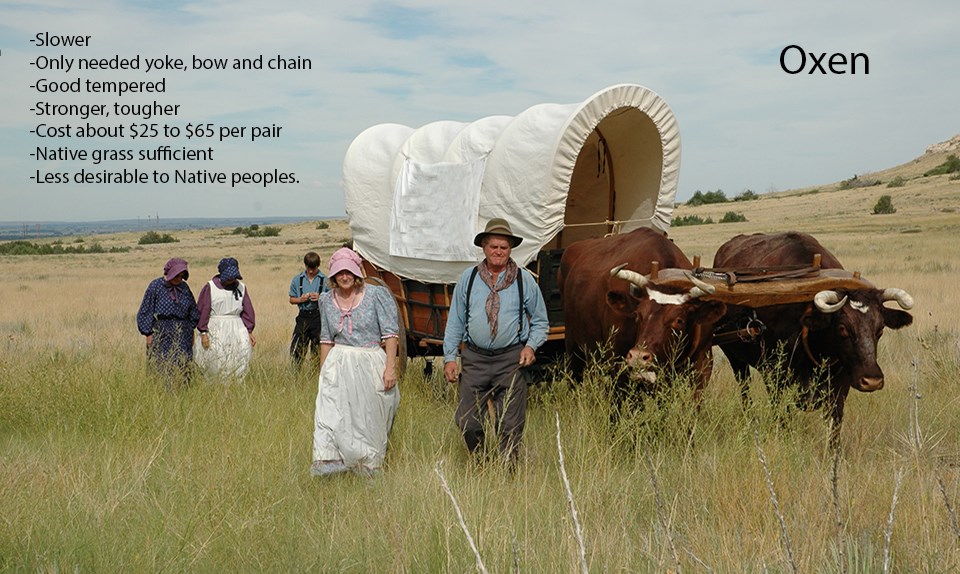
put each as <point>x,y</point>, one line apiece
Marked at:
<point>497,311</point>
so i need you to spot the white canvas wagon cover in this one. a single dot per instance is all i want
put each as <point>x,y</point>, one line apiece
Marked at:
<point>415,198</point>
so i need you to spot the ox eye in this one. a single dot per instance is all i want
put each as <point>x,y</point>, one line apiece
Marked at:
<point>677,324</point>
<point>843,331</point>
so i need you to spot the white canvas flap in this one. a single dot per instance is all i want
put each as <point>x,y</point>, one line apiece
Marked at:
<point>435,210</point>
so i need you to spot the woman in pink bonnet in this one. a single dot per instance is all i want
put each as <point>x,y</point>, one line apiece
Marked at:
<point>358,395</point>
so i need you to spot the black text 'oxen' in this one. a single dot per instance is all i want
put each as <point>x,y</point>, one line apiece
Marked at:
<point>830,344</point>
<point>605,294</point>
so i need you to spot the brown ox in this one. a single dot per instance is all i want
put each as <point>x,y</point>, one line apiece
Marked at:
<point>830,344</point>
<point>606,300</point>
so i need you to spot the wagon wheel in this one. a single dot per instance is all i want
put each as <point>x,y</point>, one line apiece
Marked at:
<point>401,333</point>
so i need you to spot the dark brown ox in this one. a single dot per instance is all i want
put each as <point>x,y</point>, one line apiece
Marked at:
<point>830,344</point>
<point>606,300</point>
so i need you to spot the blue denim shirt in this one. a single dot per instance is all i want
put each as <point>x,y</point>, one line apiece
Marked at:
<point>535,323</point>
<point>300,285</point>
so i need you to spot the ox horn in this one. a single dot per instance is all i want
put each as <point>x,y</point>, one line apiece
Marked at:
<point>829,301</point>
<point>899,295</point>
<point>631,276</point>
<point>700,288</point>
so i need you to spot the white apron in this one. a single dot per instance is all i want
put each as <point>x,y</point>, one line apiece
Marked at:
<point>353,414</point>
<point>229,352</point>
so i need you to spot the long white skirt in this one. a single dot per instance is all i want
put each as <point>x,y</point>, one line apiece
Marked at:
<point>353,414</point>
<point>229,354</point>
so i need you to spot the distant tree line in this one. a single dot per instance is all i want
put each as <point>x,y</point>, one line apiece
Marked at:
<point>728,217</point>
<point>152,237</point>
<point>256,231</point>
<point>29,248</point>
<point>704,198</point>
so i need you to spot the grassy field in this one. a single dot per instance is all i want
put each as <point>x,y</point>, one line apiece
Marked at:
<point>102,470</point>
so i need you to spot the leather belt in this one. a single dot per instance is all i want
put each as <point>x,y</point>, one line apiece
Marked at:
<point>492,352</point>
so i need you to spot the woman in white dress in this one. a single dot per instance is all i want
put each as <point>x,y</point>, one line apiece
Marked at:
<point>226,325</point>
<point>358,395</point>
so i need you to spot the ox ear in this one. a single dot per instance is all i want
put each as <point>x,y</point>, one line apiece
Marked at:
<point>620,302</point>
<point>815,320</point>
<point>709,312</point>
<point>895,318</point>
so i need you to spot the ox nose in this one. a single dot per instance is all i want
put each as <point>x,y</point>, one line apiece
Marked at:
<point>870,384</point>
<point>639,357</point>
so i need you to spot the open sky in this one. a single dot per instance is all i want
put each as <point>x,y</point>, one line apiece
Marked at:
<point>744,122</point>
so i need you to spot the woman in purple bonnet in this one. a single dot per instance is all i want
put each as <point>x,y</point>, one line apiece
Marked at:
<point>167,317</point>
<point>358,395</point>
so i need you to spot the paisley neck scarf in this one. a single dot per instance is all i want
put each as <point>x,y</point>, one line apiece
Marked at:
<point>492,306</point>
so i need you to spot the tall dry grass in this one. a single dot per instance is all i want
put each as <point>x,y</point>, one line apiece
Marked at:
<point>102,470</point>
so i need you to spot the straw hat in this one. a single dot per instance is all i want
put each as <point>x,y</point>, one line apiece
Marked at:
<point>497,226</point>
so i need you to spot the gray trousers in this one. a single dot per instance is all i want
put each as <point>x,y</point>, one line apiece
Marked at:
<point>499,380</point>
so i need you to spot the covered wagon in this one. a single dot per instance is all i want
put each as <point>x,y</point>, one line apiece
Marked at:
<point>559,173</point>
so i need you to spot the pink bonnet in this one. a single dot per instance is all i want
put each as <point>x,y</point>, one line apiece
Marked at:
<point>345,259</point>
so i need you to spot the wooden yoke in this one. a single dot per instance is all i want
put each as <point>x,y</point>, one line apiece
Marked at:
<point>762,287</point>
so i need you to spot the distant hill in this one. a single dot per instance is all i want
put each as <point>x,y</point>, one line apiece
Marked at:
<point>39,229</point>
<point>922,200</point>
<point>912,170</point>
<point>951,145</point>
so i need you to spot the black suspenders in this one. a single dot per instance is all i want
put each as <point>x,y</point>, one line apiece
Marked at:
<point>466,321</point>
